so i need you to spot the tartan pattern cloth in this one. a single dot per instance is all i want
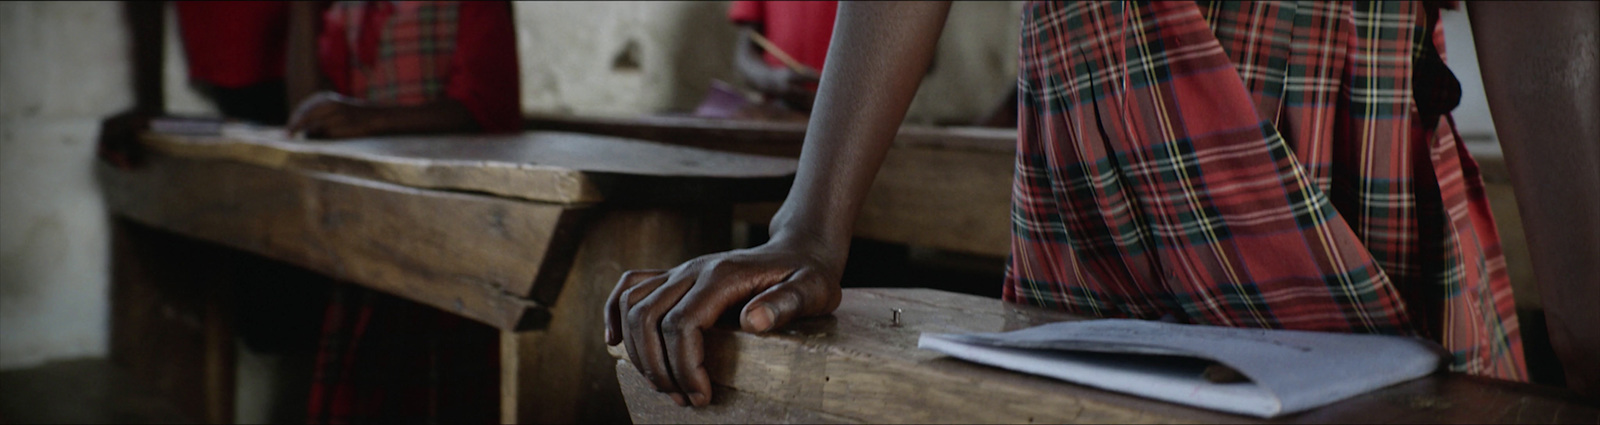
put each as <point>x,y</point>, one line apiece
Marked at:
<point>1251,164</point>
<point>383,359</point>
<point>402,50</point>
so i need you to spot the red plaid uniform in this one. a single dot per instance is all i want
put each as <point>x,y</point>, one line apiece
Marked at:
<point>382,358</point>
<point>1251,164</point>
<point>410,53</point>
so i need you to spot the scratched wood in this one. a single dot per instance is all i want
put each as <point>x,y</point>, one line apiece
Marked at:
<point>855,366</point>
<point>472,255</point>
<point>564,168</point>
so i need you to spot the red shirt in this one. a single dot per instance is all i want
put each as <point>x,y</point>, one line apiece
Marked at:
<point>801,28</point>
<point>234,43</point>
<point>409,53</point>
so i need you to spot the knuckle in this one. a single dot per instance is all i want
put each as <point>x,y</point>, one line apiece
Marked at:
<point>674,323</point>
<point>637,317</point>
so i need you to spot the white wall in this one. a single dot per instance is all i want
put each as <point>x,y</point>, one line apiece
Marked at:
<point>62,68</point>
<point>567,50</point>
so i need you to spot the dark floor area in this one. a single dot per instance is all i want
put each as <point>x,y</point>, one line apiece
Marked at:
<point>85,391</point>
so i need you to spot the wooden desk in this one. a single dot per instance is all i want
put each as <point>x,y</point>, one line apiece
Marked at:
<point>526,233</point>
<point>855,367</point>
<point>939,187</point>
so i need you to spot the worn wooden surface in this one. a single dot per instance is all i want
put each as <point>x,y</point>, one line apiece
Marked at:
<point>476,256</point>
<point>561,373</point>
<point>854,366</point>
<point>940,187</point>
<point>563,168</point>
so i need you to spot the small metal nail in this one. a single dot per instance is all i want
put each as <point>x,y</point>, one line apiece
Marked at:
<point>896,321</point>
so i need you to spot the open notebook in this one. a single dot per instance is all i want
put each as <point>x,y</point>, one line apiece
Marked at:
<point>1288,371</point>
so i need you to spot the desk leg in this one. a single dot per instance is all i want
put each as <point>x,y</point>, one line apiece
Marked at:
<point>170,321</point>
<point>562,374</point>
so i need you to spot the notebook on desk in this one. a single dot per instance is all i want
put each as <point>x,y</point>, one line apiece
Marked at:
<point>1285,371</point>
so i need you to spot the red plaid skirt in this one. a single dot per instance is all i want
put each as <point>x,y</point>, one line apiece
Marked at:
<point>1251,164</point>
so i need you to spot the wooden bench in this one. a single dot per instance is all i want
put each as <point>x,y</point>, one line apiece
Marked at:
<point>856,366</point>
<point>526,233</point>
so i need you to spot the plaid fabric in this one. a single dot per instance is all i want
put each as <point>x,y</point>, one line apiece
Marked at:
<point>383,359</point>
<point>402,51</point>
<point>1250,164</point>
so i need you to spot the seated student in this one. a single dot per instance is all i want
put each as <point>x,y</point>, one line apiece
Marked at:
<point>1326,192</point>
<point>411,67</point>
<point>235,53</point>
<point>801,29</point>
<point>404,68</point>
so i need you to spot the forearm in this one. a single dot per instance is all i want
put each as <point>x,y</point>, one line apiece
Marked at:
<point>874,66</point>
<point>1539,69</point>
<point>747,57</point>
<point>148,23</point>
<point>440,116</point>
<point>301,76</point>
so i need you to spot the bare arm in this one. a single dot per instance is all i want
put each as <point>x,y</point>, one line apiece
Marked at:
<point>118,133</point>
<point>781,83</point>
<point>328,115</point>
<point>1539,64</point>
<point>302,77</point>
<point>878,55</point>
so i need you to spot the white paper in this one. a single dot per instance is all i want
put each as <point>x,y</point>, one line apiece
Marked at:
<point>1289,371</point>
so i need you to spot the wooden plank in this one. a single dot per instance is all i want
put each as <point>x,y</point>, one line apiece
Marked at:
<point>476,256</point>
<point>563,168</point>
<point>958,200</point>
<point>560,373</point>
<point>941,187</point>
<point>854,366</point>
<point>759,137</point>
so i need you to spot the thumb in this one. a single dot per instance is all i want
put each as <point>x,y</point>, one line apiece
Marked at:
<point>803,295</point>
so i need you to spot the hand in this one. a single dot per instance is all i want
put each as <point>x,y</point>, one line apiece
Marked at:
<point>329,115</point>
<point>783,83</point>
<point>659,314</point>
<point>119,138</point>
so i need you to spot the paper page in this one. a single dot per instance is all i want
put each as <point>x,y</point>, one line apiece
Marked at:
<point>1299,370</point>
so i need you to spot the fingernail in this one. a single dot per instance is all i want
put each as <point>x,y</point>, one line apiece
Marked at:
<point>760,318</point>
<point>697,399</point>
<point>678,398</point>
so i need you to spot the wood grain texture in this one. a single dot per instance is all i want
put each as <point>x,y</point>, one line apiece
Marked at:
<point>760,137</point>
<point>854,366</point>
<point>564,168</point>
<point>561,373</point>
<point>942,187</point>
<point>472,255</point>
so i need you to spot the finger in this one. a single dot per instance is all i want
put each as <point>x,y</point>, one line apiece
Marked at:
<point>314,105</point>
<point>307,118</point>
<point>801,295</point>
<point>630,340</point>
<point>683,327</point>
<point>644,321</point>
<point>613,313</point>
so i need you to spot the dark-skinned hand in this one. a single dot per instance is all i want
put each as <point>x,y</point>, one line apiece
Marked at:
<point>659,315</point>
<point>119,138</point>
<point>329,115</point>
